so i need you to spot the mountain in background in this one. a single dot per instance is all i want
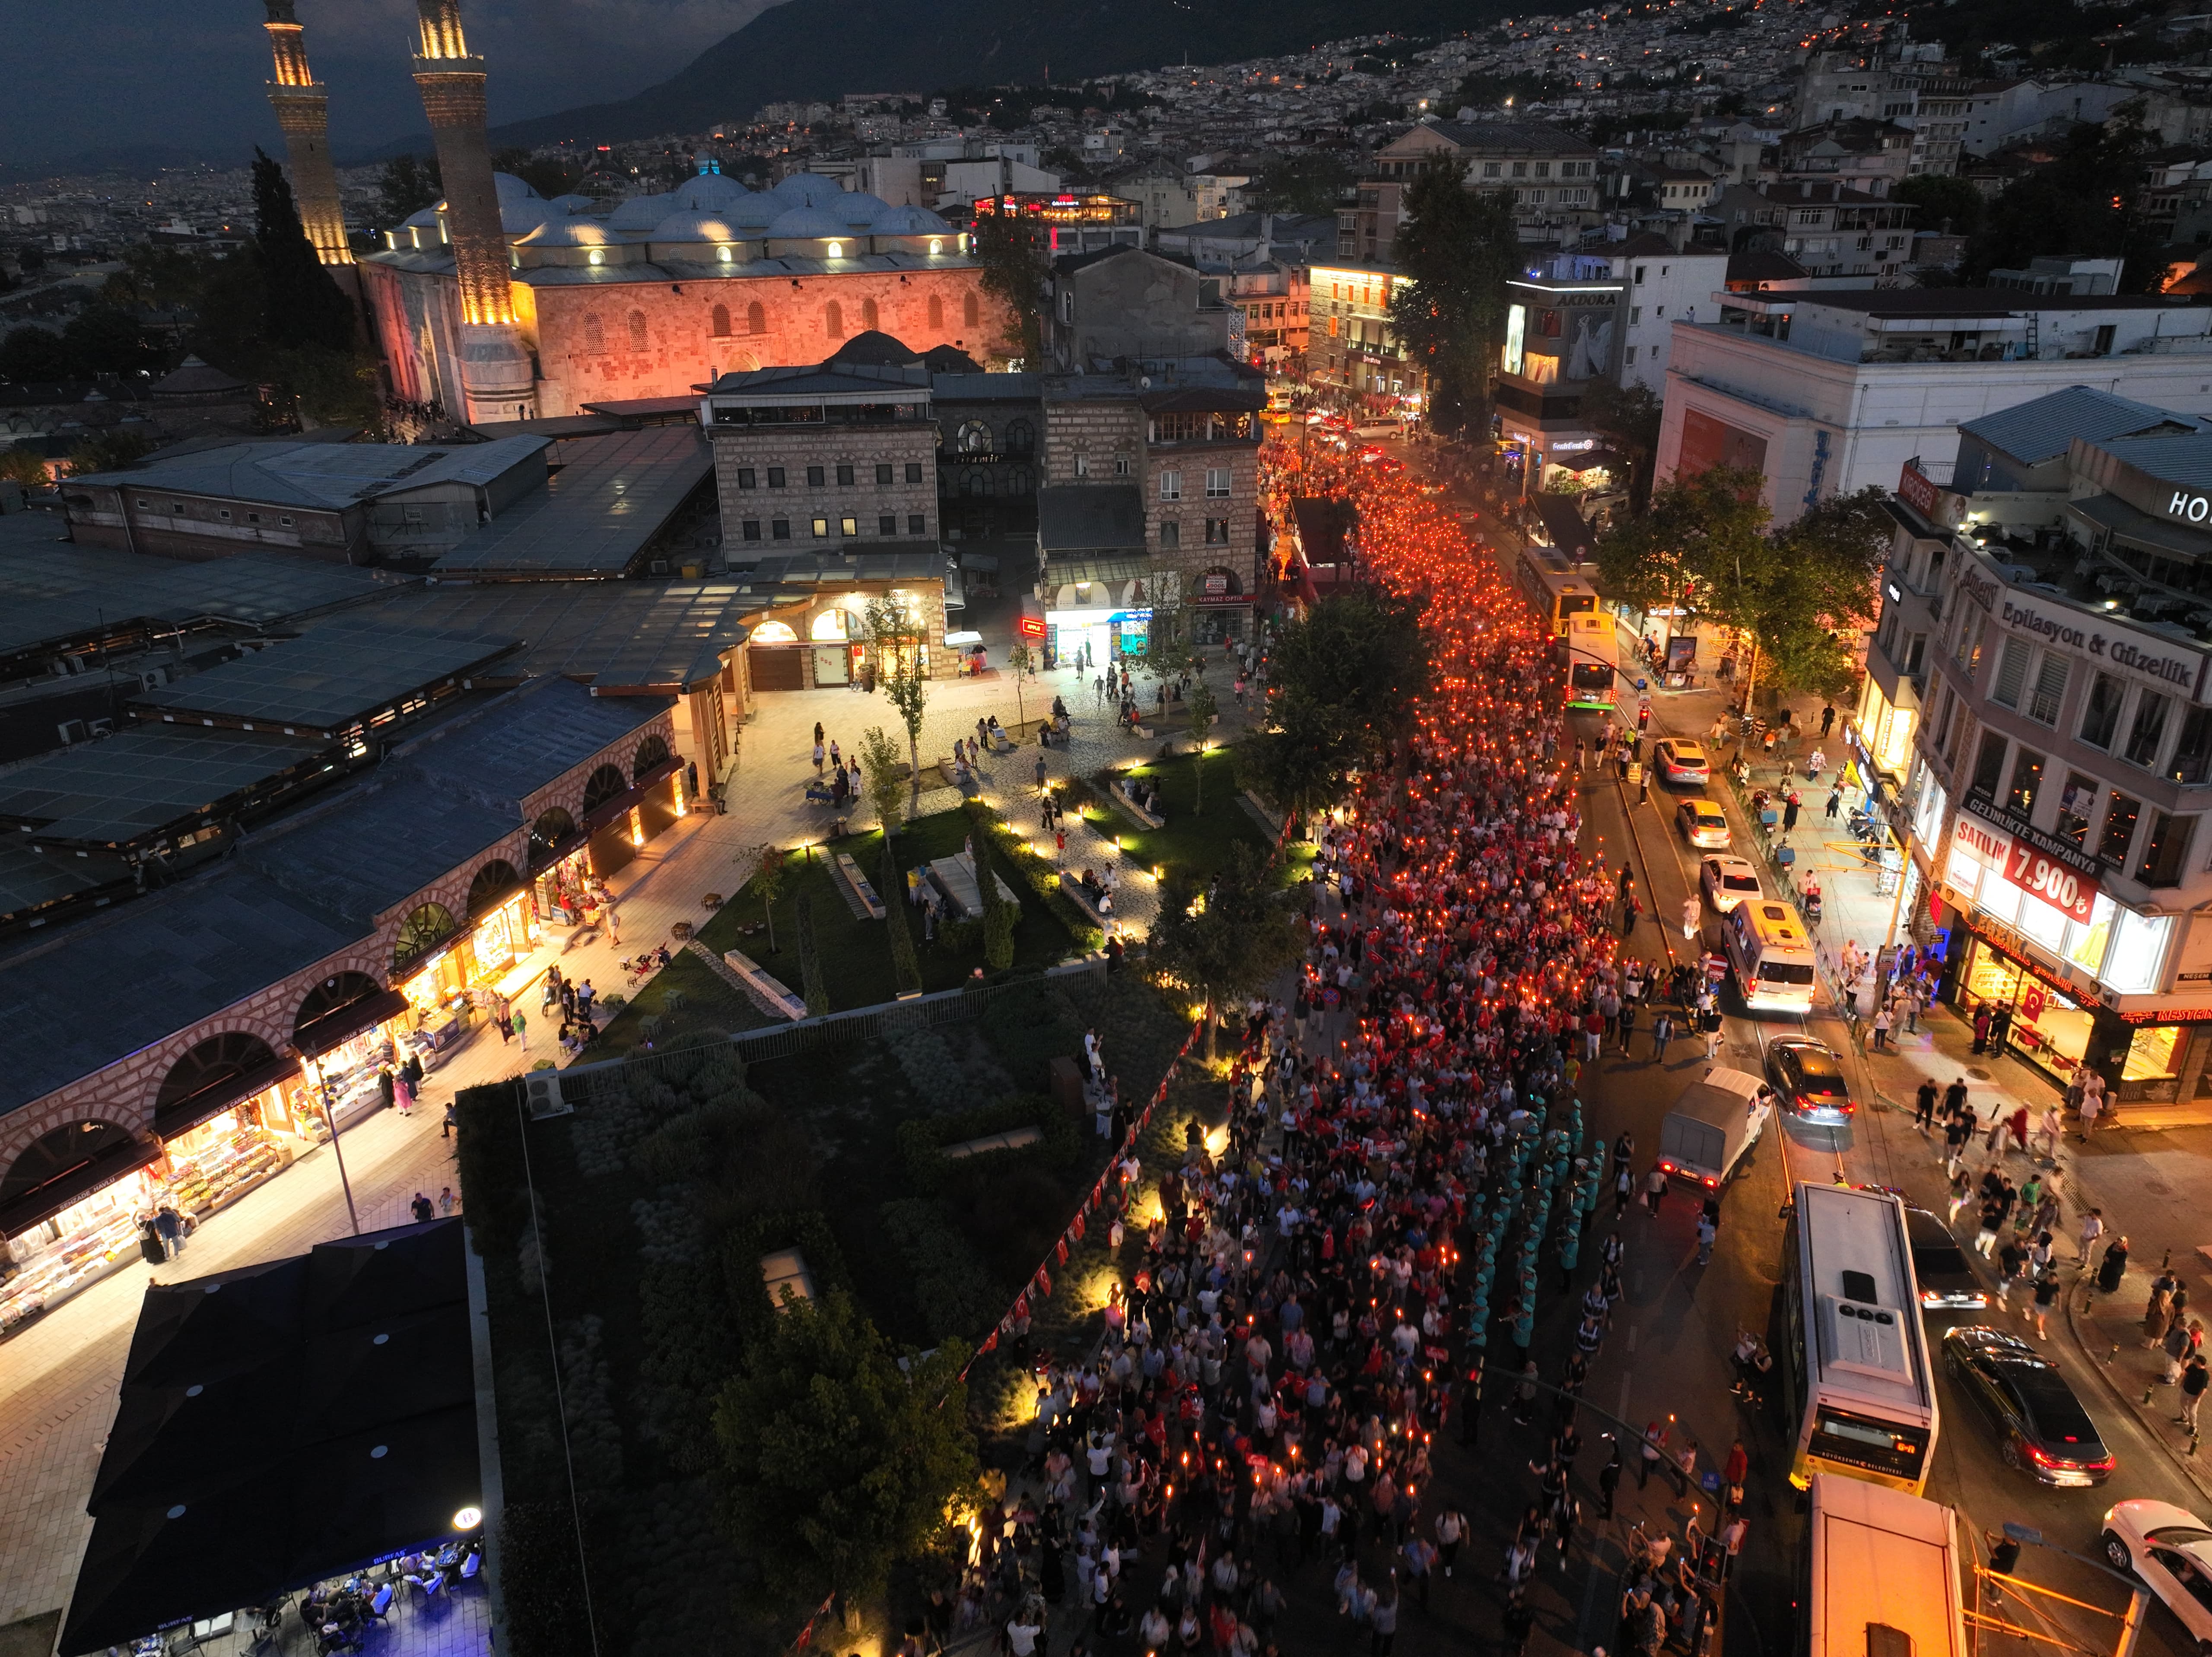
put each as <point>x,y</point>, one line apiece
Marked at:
<point>809,49</point>
<point>137,160</point>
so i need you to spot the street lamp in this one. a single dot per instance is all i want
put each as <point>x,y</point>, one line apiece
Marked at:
<point>322,1098</point>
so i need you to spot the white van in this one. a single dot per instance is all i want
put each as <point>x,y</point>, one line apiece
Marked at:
<point>1770,955</point>
<point>1713,1125</point>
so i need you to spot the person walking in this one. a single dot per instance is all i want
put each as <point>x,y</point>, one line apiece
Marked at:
<point>422,1208</point>
<point>2091,1227</point>
<point>1882,1024</point>
<point>2046,1296</point>
<point>1707,1231</point>
<point>1692,912</point>
<point>1649,1453</point>
<point>1923,1105</point>
<point>2093,1103</point>
<point>1654,1188</point>
<point>1608,1482</point>
<point>521,1028</point>
<point>2195,1377</point>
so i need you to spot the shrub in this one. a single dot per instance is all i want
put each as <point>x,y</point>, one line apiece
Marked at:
<point>587,1405</point>
<point>929,1068</point>
<point>540,1578</point>
<point>954,1292</point>
<point>488,1144</point>
<point>807,1231</point>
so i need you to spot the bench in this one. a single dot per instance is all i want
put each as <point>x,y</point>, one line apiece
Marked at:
<point>858,883</point>
<point>1073,887</point>
<point>950,771</point>
<point>1001,743</point>
<point>763,985</point>
<point>1130,808</point>
<point>1011,1139</point>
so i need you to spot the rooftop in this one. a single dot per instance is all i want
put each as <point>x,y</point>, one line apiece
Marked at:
<point>661,636</point>
<point>612,493</point>
<point>121,788</point>
<point>2043,429</point>
<point>1091,518</point>
<point>328,477</point>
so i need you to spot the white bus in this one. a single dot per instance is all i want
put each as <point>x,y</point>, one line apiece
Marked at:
<point>1878,1576</point>
<point>1771,955</point>
<point>1854,1357</point>
<point>1557,593</point>
<point>1593,660</point>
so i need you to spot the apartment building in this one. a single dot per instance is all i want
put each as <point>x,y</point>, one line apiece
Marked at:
<point>1552,176</point>
<point>1350,344</point>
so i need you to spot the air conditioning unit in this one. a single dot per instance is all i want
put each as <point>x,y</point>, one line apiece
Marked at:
<point>153,678</point>
<point>103,726</point>
<point>72,730</point>
<point>541,1091</point>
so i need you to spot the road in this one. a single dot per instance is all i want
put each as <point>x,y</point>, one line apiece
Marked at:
<point>1668,1354</point>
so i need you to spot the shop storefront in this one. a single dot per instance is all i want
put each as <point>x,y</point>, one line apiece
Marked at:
<point>1220,609</point>
<point>2057,1030</point>
<point>1110,634</point>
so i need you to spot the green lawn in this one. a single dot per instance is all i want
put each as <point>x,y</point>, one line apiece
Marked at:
<point>1200,828</point>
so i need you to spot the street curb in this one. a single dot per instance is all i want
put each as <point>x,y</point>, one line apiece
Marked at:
<point>2193,1471</point>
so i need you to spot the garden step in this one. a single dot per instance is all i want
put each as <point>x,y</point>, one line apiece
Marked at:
<point>859,896</point>
<point>1073,887</point>
<point>1271,821</point>
<point>1130,808</point>
<point>753,981</point>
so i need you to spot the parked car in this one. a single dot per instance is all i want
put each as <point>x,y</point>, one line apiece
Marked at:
<point>1727,881</point>
<point>1947,1283</point>
<point>1809,1078</point>
<point>2042,1426</point>
<point>2170,1548</point>
<point>1702,824</point>
<point>1681,762</point>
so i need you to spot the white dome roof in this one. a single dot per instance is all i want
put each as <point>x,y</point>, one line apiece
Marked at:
<point>809,223</point>
<point>756,210</point>
<point>575,203</point>
<point>640,212</point>
<point>809,190</point>
<point>569,233</point>
<point>520,218</point>
<point>427,219</point>
<point>910,221</point>
<point>693,227</point>
<point>857,207</point>
<point>707,192</point>
<point>511,189</point>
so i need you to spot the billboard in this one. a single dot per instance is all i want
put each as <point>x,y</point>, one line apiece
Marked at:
<point>1708,442</point>
<point>1517,328</point>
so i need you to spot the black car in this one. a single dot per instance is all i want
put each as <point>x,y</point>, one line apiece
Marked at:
<point>1947,1283</point>
<point>2043,1427</point>
<point>1809,1078</point>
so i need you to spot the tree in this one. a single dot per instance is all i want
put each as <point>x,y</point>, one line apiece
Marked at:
<point>1228,940</point>
<point>103,339</point>
<point>1015,253</point>
<point>2082,202</point>
<point>895,642</point>
<point>157,278</point>
<point>1342,682</point>
<point>330,388</point>
<point>1022,663</point>
<point>408,184</point>
<point>19,465</point>
<point>768,866</point>
<point>1308,183</point>
<point>30,354</point>
<point>1829,562</point>
<point>1457,248</point>
<point>1629,415</point>
<point>113,450</point>
<point>810,959</point>
<point>1945,202</point>
<point>836,1463</point>
<point>305,308</point>
<point>906,969</point>
<point>1000,913</point>
<point>1200,707</point>
<point>882,777</point>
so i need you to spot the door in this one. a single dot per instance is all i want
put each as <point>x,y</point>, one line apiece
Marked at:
<point>832,665</point>
<point>776,667</point>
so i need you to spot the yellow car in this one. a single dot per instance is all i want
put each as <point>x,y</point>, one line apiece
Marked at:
<point>1702,825</point>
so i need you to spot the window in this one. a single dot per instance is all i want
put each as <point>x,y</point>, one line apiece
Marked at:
<point>1989,765</point>
<point>414,517</point>
<point>721,322</point>
<point>1970,636</point>
<point>2192,752</point>
<point>2026,778</point>
<point>775,477</point>
<point>2100,718</point>
<point>748,478</point>
<point>2164,849</point>
<point>887,523</point>
<point>2050,676</point>
<point>751,528</point>
<point>1170,486</point>
<point>1640,283</point>
<point>820,529</point>
<point>833,320</point>
<point>936,313</point>
<point>2134,962</point>
<point>1217,482</point>
<point>1217,531</point>
<point>1171,532</point>
<point>815,477</point>
<point>1120,465</point>
<point>2076,807</point>
<point>779,530</point>
<point>849,526</point>
<point>1915,654</point>
<point>882,474</point>
<point>2147,731</point>
<point>2120,815</point>
<point>595,334</point>
<point>845,476</point>
<point>1083,465</point>
<point>1493,169</point>
<point>755,318</point>
<point>1519,169</point>
<point>2012,673</point>
<point>1543,169</point>
<point>868,313</point>
<point>1635,315</point>
<point>917,524</point>
<point>1630,357</point>
<point>638,342</point>
<point>1535,197</point>
<point>970,312</point>
<point>914,472</point>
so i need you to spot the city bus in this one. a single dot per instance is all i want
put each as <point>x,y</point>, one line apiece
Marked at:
<point>1769,955</point>
<point>1556,591</point>
<point>1857,1389</point>
<point>1878,1574</point>
<point>1593,660</point>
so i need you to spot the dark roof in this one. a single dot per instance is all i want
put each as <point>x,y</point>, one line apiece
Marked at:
<point>319,476</point>
<point>1644,244</point>
<point>861,561</point>
<point>354,1359</point>
<point>1323,526</point>
<point>949,360</point>
<point>832,378</point>
<point>2045,429</point>
<point>1532,137</point>
<point>649,635</point>
<point>612,494</point>
<point>339,672</point>
<point>1564,525</point>
<point>1200,399</point>
<point>876,349</point>
<point>1762,264</point>
<point>963,386</point>
<point>1091,518</point>
<point>1976,301</point>
<point>32,880</point>
<point>194,378</point>
<point>120,788</point>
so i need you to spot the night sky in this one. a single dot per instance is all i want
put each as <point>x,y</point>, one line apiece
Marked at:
<point>97,75</point>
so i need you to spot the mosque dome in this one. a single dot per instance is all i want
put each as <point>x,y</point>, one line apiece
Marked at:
<point>910,221</point>
<point>520,218</point>
<point>809,190</point>
<point>575,203</point>
<point>511,189</point>
<point>809,224</point>
<point>640,212</point>
<point>707,192</point>
<point>755,211</point>
<point>693,227</point>
<point>857,207</point>
<point>426,220</point>
<point>569,233</point>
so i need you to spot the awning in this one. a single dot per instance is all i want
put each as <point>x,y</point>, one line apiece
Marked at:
<point>73,1185</point>
<point>1097,567</point>
<point>319,1035</point>
<point>185,1115</point>
<point>607,811</point>
<point>2109,512</point>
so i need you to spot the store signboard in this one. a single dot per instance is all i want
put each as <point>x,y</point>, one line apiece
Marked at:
<point>2043,866</point>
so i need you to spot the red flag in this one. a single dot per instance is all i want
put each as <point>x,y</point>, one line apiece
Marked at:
<point>1076,1230</point>
<point>1059,1252</point>
<point>990,1343</point>
<point>1044,1282</point>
